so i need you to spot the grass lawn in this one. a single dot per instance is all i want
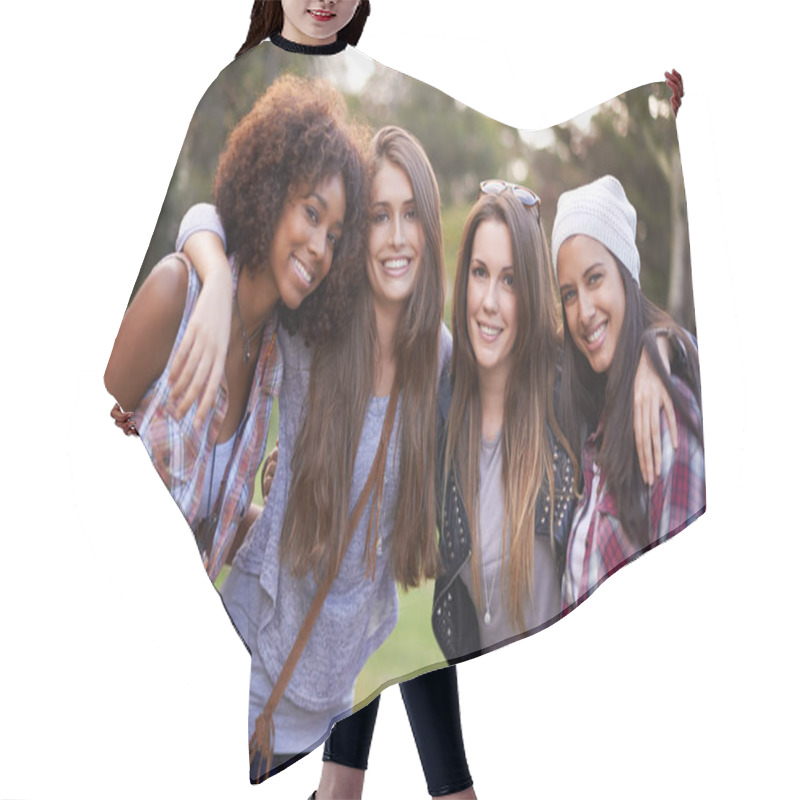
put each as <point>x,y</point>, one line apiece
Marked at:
<point>410,646</point>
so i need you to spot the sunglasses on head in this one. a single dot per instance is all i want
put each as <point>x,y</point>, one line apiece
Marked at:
<point>526,196</point>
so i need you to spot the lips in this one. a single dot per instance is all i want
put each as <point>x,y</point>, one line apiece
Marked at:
<point>321,16</point>
<point>302,272</point>
<point>396,267</point>
<point>488,333</point>
<point>594,339</point>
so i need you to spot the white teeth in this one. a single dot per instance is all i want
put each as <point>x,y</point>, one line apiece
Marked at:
<point>396,263</point>
<point>304,273</point>
<point>489,331</point>
<point>596,333</point>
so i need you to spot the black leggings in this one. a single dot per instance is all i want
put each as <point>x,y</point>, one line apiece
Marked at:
<point>432,707</point>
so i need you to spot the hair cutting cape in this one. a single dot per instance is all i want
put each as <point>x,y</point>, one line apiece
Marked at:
<point>632,137</point>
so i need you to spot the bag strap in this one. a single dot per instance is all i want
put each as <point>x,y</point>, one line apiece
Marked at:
<point>264,733</point>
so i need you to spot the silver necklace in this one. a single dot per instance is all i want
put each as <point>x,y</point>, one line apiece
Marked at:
<point>245,338</point>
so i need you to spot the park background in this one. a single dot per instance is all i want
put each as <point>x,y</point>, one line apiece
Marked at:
<point>632,136</point>
<point>119,675</point>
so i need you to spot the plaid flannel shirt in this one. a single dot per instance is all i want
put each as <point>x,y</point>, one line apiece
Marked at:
<point>181,448</point>
<point>676,499</point>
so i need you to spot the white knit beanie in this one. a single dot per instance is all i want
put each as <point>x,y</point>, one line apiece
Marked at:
<point>600,210</point>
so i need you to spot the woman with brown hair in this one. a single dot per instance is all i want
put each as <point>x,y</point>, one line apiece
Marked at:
<point>334,402</point>
<point>506,471</point>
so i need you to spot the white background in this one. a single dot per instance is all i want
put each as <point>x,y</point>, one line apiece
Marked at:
<point>119,674</point>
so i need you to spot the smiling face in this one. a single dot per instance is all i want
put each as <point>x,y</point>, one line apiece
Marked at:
<point>315,22</point>
<point>492,299</point>
<point>396,238</point>
<point>305,239</point>
<point>593,297</point>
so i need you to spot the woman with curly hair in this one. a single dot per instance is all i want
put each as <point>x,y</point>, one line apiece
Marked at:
<point>288,188</point>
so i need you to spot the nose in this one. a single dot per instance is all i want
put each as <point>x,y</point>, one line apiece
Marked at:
<point>398,234</point>
<point>317,241</point>
<point>585,307</point>
<point>490,298</point>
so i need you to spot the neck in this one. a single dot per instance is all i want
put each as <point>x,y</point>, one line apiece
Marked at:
<point>257,296</point>
<point>387,318</point>
<point>492,390</point>
<point>292,34</point>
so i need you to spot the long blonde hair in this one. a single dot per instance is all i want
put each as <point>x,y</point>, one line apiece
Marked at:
<point>528,406</point>
<point>342,377</point>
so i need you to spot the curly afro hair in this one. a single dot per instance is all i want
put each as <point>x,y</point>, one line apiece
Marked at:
<point>295,136</point>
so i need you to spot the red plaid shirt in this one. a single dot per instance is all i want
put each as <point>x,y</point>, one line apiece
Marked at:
<point>181,448</point>
<point>676,499</point>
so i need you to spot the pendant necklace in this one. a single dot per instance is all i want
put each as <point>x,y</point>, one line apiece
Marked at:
<point>245,338</point>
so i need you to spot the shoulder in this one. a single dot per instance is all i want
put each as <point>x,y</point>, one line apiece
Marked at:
<point>157,308</point>
<point>689,445</point>
<point>444,395</point>
<point>296,353</point>
<point>695,417</point>
<point>148,332</point>
<point>167,284</point>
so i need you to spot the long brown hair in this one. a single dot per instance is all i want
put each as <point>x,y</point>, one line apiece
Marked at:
<point>266,19</point>
<point>590,397</point>
<point>528,407</point>
<point>341,384</point>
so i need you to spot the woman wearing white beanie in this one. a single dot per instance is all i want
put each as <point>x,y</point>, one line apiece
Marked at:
<point>608,321</point>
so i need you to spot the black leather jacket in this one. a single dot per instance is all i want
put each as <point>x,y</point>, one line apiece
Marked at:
<point>455,621</point>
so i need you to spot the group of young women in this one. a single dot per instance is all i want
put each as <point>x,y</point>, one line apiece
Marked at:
<point>319,278</point>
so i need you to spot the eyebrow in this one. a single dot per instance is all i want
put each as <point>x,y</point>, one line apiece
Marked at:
<point>411,202</point>
<point>507,268</point>
<point>319,200</point>
<point>591,267</point>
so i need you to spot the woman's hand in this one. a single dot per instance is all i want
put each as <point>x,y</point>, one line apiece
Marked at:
<point>268,472</point>
<point>124,420</point>
<point>649,397</point>
<point>200,361</point>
